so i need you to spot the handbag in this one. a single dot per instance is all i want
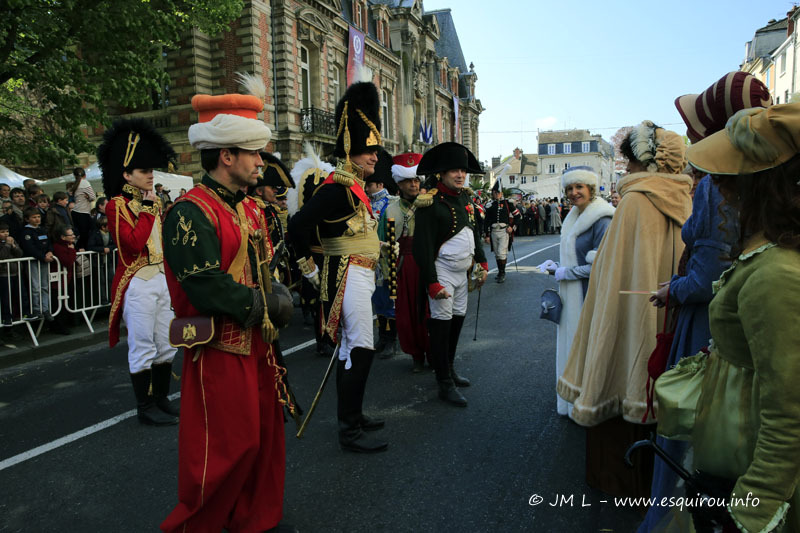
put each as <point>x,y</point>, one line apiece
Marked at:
<point>657,362</point>
<point>551,306</point>
<point>678,391</point>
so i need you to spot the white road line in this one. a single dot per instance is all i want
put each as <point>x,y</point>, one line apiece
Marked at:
<point>39,450</point>
<point>527,256</point>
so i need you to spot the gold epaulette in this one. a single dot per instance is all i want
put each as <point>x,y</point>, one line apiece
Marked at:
<point>343,178</point>
<point>469,191</point>
<point>423,200</point>
<point>259,202</point>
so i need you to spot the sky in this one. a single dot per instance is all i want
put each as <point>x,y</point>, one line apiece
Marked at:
<point>593,65</point>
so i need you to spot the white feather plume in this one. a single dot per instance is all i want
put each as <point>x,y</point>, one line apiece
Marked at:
<point>252,84</point>
<point>311,167</point>
<point>362,73</point>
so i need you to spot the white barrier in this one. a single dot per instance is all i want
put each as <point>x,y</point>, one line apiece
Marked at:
<point>31,291</point>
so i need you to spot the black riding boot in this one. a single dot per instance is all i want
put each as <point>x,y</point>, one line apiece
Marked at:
<point>162,375</point>
<point>455,330</point>
<point>501,270</point>
<point>439,333</point>
<point>350,386</point>
<point>390,348</point>
<point>146,409</point>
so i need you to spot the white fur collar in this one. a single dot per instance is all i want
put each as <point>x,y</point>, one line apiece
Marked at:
<point>577,223</point>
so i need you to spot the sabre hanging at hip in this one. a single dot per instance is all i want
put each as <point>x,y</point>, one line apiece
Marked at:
<point>319,393</point>
<point>477,312</point>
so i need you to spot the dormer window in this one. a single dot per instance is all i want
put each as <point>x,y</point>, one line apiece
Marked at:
<point>360,14</point>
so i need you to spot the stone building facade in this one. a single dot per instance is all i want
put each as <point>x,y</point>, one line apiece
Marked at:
<point>559,150</point>
<point>300,50</point>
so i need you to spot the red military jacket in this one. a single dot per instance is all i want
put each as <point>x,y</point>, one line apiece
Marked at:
<point>130,223</point>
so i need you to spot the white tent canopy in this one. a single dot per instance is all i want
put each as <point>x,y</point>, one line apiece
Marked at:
<point>171,182</point>
<point>11,178</point>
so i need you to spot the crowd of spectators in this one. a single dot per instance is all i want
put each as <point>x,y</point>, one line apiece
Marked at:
<point>49,228</point>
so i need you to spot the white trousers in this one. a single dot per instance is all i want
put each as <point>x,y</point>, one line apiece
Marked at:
<point>500,242</point>
<point>453,276</point>
<point>356,320</point>
<point>147,315</point>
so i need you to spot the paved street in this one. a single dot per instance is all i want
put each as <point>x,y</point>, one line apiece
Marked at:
<point>447,469</point>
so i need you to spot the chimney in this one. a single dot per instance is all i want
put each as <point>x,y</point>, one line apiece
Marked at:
<point>495,162</point>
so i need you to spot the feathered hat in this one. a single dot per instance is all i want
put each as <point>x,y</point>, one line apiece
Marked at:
<point>130,144</point>
<point>659,150</point>
<point>579,174</point>
<point>447,156</point>
<point>358,120</point>
<point>405,166</point>
<point>309,173</point>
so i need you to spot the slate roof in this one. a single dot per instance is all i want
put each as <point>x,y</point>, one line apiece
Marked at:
<point>767,39</point>
<point>561,136</point>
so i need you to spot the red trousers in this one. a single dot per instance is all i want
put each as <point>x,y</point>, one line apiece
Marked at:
<point>231,449</point>
<point>412,330</point>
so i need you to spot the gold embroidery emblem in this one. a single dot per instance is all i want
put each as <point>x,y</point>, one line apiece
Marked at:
<point>189,332</point>
<point>189,235</point>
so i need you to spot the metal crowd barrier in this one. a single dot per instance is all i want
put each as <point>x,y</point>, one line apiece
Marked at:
<point>26,284</point>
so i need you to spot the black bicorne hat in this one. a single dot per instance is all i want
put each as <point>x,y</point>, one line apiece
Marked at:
<point>274,172</point>
<point>131,144</point>
<point>447,156</point>
<point>358,120</point>
<point>497,186</point>
<point>383,172</point>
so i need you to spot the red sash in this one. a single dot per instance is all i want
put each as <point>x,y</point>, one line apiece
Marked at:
<point>357,190</point>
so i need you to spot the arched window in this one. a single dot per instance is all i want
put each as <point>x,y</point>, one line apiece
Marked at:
<point>305,78</point>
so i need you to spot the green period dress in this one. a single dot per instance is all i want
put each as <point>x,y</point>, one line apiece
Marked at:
<point>748,414</point>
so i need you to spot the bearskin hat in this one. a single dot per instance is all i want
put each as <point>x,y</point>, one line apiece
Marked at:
<point>130,144</point>
<point>358,120</point>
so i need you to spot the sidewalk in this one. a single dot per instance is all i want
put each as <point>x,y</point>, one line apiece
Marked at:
<point>21,349</point>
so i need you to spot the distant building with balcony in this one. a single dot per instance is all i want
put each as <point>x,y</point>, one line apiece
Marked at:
<point>300,50</point>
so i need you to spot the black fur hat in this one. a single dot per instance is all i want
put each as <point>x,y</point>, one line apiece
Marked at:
<point>130,144</point>
<point>359,129</point>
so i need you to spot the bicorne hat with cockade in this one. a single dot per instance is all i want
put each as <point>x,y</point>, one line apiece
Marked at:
<point>358,121</point>
<point>129,144</point>
<point>448,156</point>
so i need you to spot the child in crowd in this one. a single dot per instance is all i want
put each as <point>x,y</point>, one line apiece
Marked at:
<point>43,203</point>
<point>64,250</point>
<point>58,216</point>
<point>36,244</point>
<point>9,273</point>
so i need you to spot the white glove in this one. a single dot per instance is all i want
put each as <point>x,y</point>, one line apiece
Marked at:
<point>313,277</point>
<point>548,265</point>
<point>561,273</point>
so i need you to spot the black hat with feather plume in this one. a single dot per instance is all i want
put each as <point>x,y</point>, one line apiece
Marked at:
<point>127,145</point>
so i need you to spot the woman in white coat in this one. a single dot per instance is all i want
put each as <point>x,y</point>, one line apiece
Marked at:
<point>581,233</point>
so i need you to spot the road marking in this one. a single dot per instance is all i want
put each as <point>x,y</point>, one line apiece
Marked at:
<point>39,450</point>
<point>527,256</point>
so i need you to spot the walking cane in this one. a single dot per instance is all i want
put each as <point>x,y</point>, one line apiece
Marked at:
<point>319,393</point>
<point>477,312</point>
<point>515,256</point>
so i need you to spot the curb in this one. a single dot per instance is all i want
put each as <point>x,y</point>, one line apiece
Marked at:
<point>51,344</point>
